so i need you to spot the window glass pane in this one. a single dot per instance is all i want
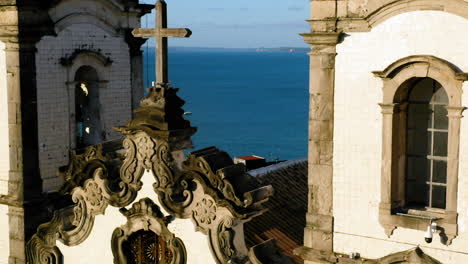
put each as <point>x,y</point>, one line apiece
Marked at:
<point>426,111</point>
<point>440,96</point>
<point>440,144</point>
<point>417,194</point>
<point>440,117</point>
<point>438,196</point>
<point>439,173</point>
<point>419,116</point>
<point>418,169</point>
<point>417,142</point>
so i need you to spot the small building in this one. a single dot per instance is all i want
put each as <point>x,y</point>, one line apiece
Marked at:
<point>251,162</point>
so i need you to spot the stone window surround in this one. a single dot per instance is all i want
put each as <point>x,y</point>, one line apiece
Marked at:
<point>397,79</point>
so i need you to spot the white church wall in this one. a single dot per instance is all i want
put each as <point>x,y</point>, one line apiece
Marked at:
<point>54,97</point>
<point>358,131</point>
<point>4,142</point>
<point>4,235</point>
<point>97,248</point>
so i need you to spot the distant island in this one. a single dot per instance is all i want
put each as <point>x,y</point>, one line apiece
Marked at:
<point>282,49</point>
<point>260,49</point>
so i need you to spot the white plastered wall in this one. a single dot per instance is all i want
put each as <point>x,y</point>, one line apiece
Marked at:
<point>4,235</point>
<point>4,143</point>
<point>97,248</point>
<point>358,131</point>
<point>54,95</point>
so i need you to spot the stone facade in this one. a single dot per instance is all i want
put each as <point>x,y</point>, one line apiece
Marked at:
<point>374,36</point>
<point>4,159</point>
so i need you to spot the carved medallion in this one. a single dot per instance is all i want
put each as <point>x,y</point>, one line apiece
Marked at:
<point>145,239</point>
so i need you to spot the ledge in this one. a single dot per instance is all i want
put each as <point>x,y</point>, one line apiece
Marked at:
<point>322,38</point>
<point>10,201</point>
<point>419,220</point>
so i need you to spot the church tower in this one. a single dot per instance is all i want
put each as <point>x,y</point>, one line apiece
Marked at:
<point>387,148</point>
<point>69,71</point>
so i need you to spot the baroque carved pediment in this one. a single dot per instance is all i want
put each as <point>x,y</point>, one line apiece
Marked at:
<point>207,187</point>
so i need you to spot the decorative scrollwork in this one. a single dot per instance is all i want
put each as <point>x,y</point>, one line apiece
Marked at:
<point>207,187</point>
<point>204,212</point>
<point>226,236</point>
<point>130,164</point>
<point>146,216</point>
<point>41,248</point>
<point>162,168</point>
<point>81,166</point>
<point>145,150</point>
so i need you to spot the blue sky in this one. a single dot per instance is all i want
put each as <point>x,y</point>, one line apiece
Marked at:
<point>237,24</point>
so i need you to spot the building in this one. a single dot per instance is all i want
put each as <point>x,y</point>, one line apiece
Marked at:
<point>67,71</point>
<point>386,168</point>
<point>387,144</point>
<point>73,194</point>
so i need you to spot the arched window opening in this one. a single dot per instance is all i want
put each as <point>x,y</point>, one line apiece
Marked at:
<point>87,107</point>
<point>421,118</point>
<point>427,137</point>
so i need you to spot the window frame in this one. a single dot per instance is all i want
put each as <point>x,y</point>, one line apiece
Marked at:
<point>397,80</point>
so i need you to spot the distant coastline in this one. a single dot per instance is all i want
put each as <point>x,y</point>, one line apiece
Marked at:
<point>260,49</point>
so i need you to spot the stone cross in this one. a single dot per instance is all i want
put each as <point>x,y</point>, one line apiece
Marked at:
<point>161,33</point>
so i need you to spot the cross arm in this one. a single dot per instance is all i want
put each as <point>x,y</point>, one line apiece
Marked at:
<point>162,32</point>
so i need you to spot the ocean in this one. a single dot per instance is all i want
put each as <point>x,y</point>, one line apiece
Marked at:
<point>243,102</point>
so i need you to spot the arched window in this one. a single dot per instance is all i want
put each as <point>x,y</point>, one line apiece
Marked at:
<point>421,117</point>
<point>87,107</point>
<point>426,145</point>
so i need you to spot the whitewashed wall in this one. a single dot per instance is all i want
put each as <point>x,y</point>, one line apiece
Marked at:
<point>357,144</point>
<point>4,143</point>
<point>97,248</point>
<point>54,96</point>
<point>4,235</point>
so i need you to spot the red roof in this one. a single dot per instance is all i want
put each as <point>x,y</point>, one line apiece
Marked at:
<point>251,157</point>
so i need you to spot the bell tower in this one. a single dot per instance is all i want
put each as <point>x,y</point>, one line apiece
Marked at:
<point>66,77</point>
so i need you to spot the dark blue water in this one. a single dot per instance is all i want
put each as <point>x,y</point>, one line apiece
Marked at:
<point>243,102</point>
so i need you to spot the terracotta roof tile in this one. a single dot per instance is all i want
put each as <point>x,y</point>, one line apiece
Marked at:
<point>285,219</point>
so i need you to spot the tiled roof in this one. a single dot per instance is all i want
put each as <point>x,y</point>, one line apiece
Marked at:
<point>285,219</point>
<point>251,157</point>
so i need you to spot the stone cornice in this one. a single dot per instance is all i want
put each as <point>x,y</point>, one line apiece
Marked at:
<point>15,29</point>
<point>363,17</point>
<point>322,38</point>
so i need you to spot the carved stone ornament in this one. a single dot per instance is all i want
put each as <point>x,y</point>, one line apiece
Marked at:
<point>145,215</point>
<point>206,186</point>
